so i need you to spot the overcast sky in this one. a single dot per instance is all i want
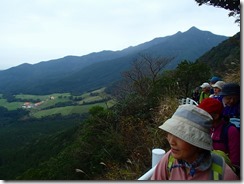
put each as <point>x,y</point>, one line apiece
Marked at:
<point>40,30</point>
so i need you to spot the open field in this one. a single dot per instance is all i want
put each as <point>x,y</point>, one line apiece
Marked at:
<point>10,106</point>
<point>41,97</point>
<point>59,103</point>
<point>80,109</point>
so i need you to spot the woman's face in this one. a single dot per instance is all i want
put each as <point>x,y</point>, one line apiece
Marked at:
<point>216,90</point>
<point>182,150</point>
<point>231,100</point>
<point>205,90</point>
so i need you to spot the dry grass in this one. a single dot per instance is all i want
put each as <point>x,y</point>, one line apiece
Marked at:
<point>233,76</point>
<point>166,110</point>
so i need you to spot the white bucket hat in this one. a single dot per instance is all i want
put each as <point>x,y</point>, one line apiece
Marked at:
<point>218,84</point>
<point>205,85</point>
<point>190,124</point>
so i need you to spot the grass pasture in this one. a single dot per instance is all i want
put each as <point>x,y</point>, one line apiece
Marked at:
<point>41,97</point>
<point>49,103</point>
<point>10,106</point>
<point>80,109</point>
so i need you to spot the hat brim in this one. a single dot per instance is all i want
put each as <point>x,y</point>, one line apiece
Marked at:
<point>227,94</point>
<point>188,131</point>
<point>216,86</point>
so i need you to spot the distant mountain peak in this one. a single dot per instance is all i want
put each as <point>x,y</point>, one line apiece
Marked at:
<point>193,28</point>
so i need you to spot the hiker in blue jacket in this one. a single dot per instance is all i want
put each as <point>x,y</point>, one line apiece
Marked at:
<point>231,99</point>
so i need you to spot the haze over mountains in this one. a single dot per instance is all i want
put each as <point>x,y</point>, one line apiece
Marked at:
<point>95,70</point>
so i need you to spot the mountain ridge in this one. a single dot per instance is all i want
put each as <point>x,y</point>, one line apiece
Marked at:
<point>98,69</point>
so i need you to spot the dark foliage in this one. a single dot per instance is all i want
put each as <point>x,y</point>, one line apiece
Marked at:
<point>190,75</point>
<point>28,143</point>
<point>7,116</point>
<point>226,4</point>
<point>224,58</point>
<point>232,5</point>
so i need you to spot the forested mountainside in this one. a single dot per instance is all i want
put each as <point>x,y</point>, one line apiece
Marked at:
<point>110,143</point>
<point>79,74</point>
<point>224,58</point>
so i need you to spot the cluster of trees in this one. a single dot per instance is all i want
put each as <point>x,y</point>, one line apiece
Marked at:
<point>60,104</point>
<point>27,143</point>
<point>96,101</point>
<point>232,5</point>
<point>225,58</point>
<point>7,117</point>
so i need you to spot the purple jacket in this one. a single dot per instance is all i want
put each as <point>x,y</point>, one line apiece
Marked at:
<point>233,147</point>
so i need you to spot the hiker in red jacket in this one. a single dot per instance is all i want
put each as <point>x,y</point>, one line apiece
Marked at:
<point>190,157</point>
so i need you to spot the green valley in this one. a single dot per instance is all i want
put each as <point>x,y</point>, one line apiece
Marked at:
<point>65,104</point>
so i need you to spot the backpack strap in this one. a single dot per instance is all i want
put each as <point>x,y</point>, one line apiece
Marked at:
<point>170,163</point>
<point>224,135</point>
<point>218,167</point>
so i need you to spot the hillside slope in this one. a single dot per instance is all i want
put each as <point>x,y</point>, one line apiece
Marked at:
<point>224,58</point>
